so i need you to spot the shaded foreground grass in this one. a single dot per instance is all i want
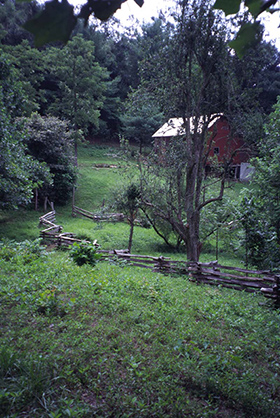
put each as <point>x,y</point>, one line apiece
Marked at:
<point>117,341</point>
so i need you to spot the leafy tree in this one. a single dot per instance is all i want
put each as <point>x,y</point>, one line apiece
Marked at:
<point>81,83</point>
<point>262,209</point>
<point>127,201</point>
<point>105,55</point>
<point>195,80</point>
<point>57,21</point>
<point>19,172</point>
<point>142,117</point>
<point>262,249</point>
<point>249,31</point>
<point>252,88</point>
<point>12,16</point>
<point>51,141</point>
<point>14,97</point>
<point>29,64</point>
<point>128,55</point>
<point>162,227</point>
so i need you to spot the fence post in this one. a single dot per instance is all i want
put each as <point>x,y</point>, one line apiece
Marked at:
<point>193,271</point>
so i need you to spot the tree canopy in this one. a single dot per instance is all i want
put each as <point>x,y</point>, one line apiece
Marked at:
<point>261,207</point>
<point>57,20</point>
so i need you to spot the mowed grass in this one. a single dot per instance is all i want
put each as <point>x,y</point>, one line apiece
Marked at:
<point>101,170</point>
<point>95,188</point>
<point>120,341</point>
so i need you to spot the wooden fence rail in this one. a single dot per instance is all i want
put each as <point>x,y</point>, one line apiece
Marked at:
<point>103,217</point>
<point>213,273</point>
<point>160,264</point>
<point>263,281</point>
<point>108,217</point>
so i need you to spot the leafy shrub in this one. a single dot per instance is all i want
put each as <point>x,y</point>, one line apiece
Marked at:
<point>26,251</point>
<point>84,253</point>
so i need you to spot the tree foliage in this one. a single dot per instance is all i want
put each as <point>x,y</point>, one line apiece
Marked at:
<point>142,117</point>
<point>19,172</point>
<point>262,208</point>
<point>80,82</point>
<point>248,34</point>
<point>196,66</point>
<point>12,16</point>
<point>51,141</point>
<point>127,201</point>
<point>57,20</point>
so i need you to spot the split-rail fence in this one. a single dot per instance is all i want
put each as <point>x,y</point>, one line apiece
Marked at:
<point>53,235</point>
<point>108,217</point>
<point>263,281</point>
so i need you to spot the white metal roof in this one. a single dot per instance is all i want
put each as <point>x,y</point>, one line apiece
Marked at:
<point>175,126</point>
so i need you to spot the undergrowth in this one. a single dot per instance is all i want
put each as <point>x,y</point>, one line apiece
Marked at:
<point>119,341</point>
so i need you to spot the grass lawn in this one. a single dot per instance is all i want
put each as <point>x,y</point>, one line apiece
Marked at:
<point>120,341</point>
<point>95,186</point>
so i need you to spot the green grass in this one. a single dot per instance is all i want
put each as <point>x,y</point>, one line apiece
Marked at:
<point>94,184</point>
<point>95,187</point>
<point>118,341</point>
<point>19,224</point>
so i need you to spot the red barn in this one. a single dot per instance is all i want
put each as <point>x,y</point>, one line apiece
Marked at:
<point>224,147</point>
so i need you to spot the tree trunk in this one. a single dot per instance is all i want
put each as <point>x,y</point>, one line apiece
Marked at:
<point>76,150</point>
<point>36,199</point>
<point>131,222</point>
<point>193,244</point>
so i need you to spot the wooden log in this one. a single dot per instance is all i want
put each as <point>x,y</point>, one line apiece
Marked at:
<point>53,229</point>
<point>137,260</point>
<point>214,263</point>
<point>67,234</point>
<point>233,276</point>
<point>46,222</point>
<point>228,285</point>
<point>267,290</point>
<point>144,257</point>
<point>270,296</point>
<point>142,265</point>
<point>49,213</point>
<point>221,280</point>
<point>101,217</point>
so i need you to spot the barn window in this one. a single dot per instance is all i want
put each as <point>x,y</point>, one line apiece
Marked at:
<point>216,151</point>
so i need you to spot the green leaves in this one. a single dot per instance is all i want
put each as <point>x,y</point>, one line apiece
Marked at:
<point>101,9</point>
<point>57,20</point>
<point>232,6</point>
<point>228,6</point>
<point>255,6</point>
<point>54,23</point>
<point>247,37</point>
<point>84,253</point>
